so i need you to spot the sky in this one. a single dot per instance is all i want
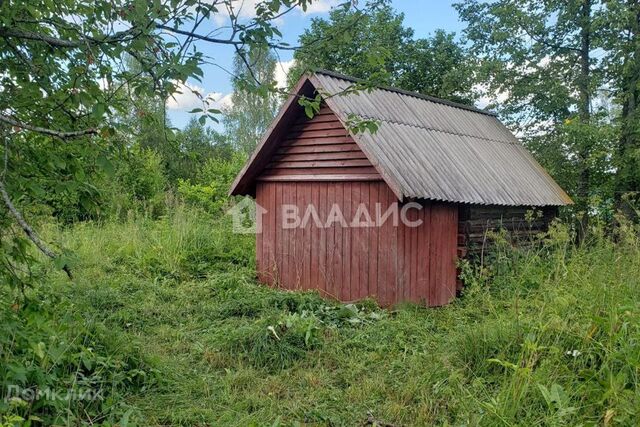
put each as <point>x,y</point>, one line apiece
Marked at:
<point>423,16</point>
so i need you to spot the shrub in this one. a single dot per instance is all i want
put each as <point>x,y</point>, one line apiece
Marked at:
<point>210,189</point>
<point>58,367</point>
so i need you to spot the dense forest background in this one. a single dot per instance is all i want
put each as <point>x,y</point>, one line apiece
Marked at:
<point>105,205</point>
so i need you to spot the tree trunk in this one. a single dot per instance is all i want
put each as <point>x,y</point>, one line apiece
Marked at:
<point>584,108</point>
<point>628,173</point>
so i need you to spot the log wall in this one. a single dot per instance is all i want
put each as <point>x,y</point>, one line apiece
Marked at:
<point>520,222</point>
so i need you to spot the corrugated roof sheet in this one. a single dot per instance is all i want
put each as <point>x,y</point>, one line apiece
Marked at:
<point>434,149</point>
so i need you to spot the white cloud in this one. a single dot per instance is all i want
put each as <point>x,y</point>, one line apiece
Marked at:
<point>282,72</point>
<point>242,9</point>
<point>189,96</point>
<point>246,10</point>
<point>224,102</point>
<point>320,6</point>
<point>487,97</point>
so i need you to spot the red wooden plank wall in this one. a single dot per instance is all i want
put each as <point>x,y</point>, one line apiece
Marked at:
<point>319,149</point>
<point>390,263</point>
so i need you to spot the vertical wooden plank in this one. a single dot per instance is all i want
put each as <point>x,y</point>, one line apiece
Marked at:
<point>271,223</point>
<point>424,256</point>
<point>299,235</point>
<point>393,251</point>
<point>357,255</point>
<point>347,259</point>
<point>259,266</point>
<point>402,294</point>
<point>363,248</point>
<point>330,245</point>
<point>383,249</point>
<point>306,199</point>
<point>409,232</point>
<point>294,262</point>
<point>279,251</point>
<point>434,253</point>
<point>287,277</point>
<point>373,243</point>
<point>449,251</point>
<point>412,248</point>
<point>454,251</point>
<point>314,253</point>
<point>284,246</point>
<point>337,246</point>
<point>264,231</point>
<point>323,270</point>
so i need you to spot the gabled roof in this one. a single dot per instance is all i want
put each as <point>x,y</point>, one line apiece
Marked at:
<point>424,148</point>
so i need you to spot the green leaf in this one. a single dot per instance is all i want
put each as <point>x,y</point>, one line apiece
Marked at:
<point>106,165</point>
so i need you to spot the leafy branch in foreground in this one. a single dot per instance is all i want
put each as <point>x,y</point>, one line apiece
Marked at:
<point>72,69</point>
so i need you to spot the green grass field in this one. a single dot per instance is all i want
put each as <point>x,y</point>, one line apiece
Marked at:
<point>165,316</point>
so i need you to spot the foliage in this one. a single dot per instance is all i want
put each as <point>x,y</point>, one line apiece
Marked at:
<point>139,182</point>
<point>55,357</point>
<point>373,44</point>
<point>560,151</point>
<point>531,52</point>
<point>55,179</point>
<point>254,101</point>
<point>164,319</point>
<point>210,188</point>
<point>622,44</point>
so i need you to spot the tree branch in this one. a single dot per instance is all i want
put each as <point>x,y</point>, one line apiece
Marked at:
<point>28,230</point>
<point>45,131</point>
<point>219,41</point>
<point>58,42</point>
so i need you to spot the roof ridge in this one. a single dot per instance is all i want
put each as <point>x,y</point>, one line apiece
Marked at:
<point>406,92</point>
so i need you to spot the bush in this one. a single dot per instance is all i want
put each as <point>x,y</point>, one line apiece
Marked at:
<point>211,188</point>
<point>58,367</point>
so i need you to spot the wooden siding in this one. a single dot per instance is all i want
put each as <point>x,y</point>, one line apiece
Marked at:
<point>390,263</point>
<point>319,149</point>
<point>476,221</point>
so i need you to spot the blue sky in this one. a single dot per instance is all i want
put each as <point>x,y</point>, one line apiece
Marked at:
<point>423,16</point>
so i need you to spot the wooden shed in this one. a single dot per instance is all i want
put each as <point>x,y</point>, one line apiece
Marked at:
<point>384,214</point>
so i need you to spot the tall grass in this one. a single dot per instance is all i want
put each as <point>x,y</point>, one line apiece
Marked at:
<point>542,336</point>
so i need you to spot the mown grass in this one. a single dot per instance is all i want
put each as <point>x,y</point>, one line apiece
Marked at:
<point>549,336</point>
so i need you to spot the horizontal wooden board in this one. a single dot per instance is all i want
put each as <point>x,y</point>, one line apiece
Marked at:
<point>323,118</point>
<point>318,133</point>
<point>322,171</point>
<point>319,148</point>
<point>322,177</point>
<point>279,164</point>
<point>301,157</point>
<point>312,126</point>
<point>316,141</point>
